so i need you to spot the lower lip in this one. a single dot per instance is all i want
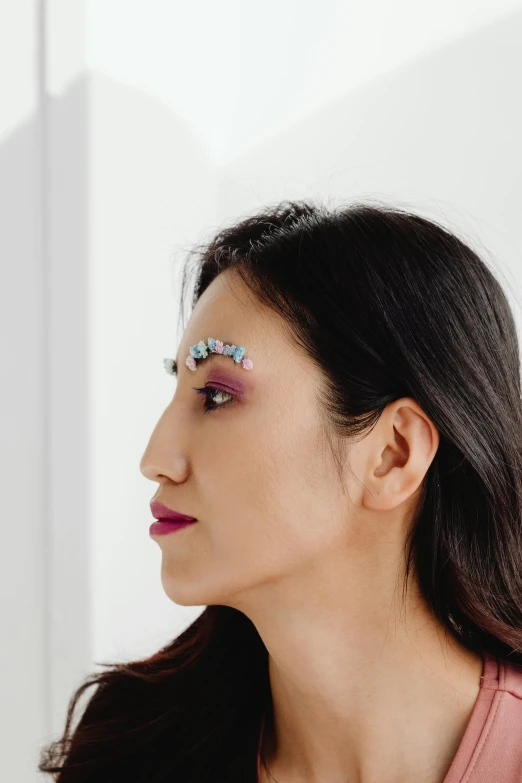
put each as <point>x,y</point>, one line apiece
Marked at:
<point>161,527</point>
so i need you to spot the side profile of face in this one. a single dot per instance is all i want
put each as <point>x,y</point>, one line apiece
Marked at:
<point>256,470</point>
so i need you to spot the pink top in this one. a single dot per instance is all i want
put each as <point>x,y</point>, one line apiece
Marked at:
<point>491,748</point>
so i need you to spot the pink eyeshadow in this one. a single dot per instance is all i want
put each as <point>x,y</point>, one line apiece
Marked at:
<point>230,382</point>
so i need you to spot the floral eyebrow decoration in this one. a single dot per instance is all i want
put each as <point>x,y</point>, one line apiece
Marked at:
<point>201,350</point>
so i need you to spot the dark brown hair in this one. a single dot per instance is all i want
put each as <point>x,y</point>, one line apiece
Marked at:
<point>388,304</point>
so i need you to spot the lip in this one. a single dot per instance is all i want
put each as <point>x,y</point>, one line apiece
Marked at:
<point>162,526</point>
<point>161,512</point>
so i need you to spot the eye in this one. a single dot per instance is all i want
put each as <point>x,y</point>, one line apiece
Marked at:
<point>214,397</point>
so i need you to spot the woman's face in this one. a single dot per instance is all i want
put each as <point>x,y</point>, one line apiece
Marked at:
<point>256,471</point>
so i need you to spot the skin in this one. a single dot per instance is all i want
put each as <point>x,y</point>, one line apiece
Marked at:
<point>365,689</point>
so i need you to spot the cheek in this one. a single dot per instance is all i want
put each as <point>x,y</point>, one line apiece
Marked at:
<point>272,492</point>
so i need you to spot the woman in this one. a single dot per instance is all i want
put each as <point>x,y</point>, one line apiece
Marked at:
<point>346,430</point>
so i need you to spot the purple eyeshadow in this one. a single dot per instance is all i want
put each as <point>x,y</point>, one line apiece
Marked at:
<point>229,382</point>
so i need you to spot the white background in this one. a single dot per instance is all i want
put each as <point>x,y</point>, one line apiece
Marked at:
<point>129,131</point>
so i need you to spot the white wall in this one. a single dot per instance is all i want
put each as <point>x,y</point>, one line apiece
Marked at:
<point>134,130</point>
<point>239,71</point>
<point>44,567</point>
<point>23,605</point>
<point>66,296</point>
<point>440,134</point>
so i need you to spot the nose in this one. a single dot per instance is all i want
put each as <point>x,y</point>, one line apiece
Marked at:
<point>164,454</point>
<point>175,468</point>
<point>146,467</point>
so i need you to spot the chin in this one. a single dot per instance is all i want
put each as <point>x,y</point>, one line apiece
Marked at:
<point>186,593</point>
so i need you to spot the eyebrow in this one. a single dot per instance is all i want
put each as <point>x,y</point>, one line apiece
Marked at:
<point>207,359</point>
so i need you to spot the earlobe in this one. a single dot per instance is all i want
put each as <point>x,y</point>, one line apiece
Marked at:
<point>385,492</point>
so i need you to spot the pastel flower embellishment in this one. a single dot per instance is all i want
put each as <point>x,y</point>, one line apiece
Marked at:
<point>238,354</point>
<point>201,349</point>
<point>198,351</point>
<point>169,366</point>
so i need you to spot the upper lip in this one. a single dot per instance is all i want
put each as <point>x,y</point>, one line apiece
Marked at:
<point>159,511</point>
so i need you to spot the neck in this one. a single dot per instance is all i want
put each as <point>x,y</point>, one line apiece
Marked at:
<point>333,696</point>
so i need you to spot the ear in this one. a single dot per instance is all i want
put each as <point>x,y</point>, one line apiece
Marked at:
<point>401,448</point>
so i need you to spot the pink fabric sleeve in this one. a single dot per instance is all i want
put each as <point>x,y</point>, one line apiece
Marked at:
<point>491,748</point>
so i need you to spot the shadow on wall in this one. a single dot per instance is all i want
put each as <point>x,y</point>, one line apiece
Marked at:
<point>44,333</point>
<point>42,298</point>
<point>441,132</point>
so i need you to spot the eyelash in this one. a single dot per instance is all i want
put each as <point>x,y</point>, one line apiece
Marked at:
<point>209,392</point>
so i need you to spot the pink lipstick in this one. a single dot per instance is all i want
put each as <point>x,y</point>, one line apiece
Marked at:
<point>159,511</point>
<point>167,520</point>
<point>162,526</point>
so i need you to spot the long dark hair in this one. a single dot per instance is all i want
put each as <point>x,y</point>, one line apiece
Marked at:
<point>388,304</point>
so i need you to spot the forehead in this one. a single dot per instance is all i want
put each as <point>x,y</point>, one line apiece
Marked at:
<point>229,312</point>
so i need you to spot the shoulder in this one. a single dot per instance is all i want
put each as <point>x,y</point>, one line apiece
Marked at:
<point>510,680</point>
<point>499,714</point>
